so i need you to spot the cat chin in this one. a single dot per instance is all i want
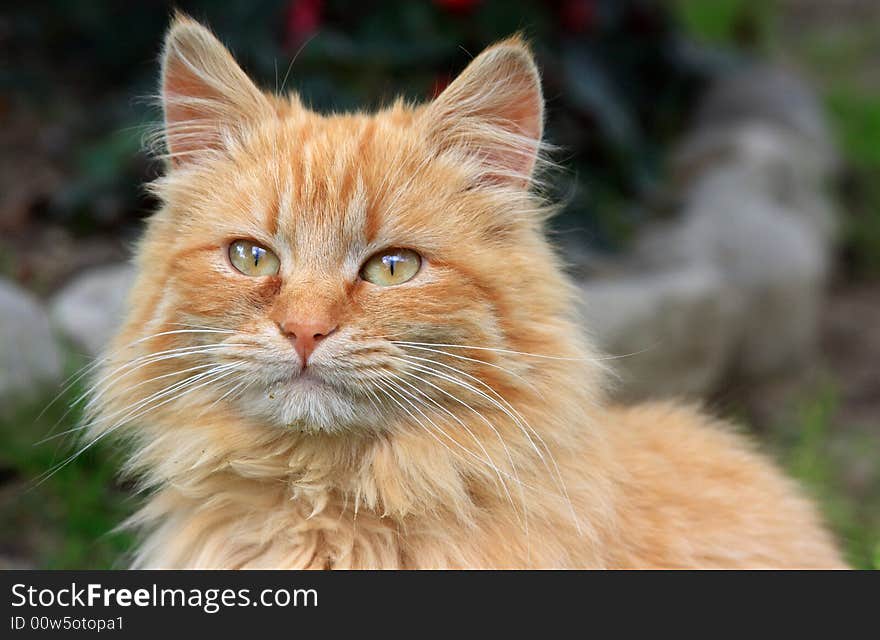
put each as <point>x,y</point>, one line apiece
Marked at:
<point>311,408</point>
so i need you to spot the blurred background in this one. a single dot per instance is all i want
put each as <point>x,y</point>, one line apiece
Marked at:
<point>719,176</point>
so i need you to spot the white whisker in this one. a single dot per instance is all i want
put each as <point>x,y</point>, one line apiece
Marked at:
<point>87,368</point>
<point>159,395</point>
<point>516,416</point>
<point>488,462</point>
<point>489,424</point>
<point>422,397</point>
<point>124,420</point>
<point>127,390</point>
<point>518,353</point>
<point>146,360</point>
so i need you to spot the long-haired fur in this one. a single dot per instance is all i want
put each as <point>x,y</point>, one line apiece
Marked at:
<point>456,420</point>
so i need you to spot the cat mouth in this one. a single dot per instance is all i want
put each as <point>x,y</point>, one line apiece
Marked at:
<point>306,400</point>
<point>308,379</point>
<point>296,379</point>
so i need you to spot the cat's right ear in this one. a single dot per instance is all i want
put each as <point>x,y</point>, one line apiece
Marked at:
<point>206,97</point>
<point>493,113</point>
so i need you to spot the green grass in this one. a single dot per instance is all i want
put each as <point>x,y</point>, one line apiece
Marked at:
<point>824,456</point>
<point>65,521</point>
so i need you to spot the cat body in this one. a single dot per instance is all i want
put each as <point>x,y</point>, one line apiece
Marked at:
<point>668,488</point>
<point>350,345</point>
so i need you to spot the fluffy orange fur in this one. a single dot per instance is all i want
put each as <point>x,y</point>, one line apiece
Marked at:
<point>453,421</point>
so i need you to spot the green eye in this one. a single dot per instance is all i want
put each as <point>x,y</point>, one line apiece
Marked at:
<point>252,259</point>
<point>391,267</point>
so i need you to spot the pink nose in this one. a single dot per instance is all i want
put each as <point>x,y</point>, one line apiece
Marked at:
<point>306,335</point>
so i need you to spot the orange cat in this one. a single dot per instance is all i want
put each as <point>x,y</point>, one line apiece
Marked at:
<point>351,345</point>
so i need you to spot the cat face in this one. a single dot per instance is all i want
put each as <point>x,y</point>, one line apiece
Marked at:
<point>333,272</point>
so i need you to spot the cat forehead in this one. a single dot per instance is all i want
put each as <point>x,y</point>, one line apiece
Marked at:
<point>329,142</point>
<point>342,178</point>
<point>323,185</point>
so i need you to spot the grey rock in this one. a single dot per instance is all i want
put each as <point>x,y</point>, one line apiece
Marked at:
<point>768,94</point>
<point>665,334</point>
<point>767,125</point>
<point>735,280</point>
<point>785,169</point>
<point>29,355</point>
<point>774,252</point>
<point>90,308</point>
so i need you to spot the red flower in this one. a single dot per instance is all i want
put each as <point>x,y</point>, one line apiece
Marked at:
<point>578,16</point>
<point>302,20</point>
<point>441,81</point>
<point>457,6</point>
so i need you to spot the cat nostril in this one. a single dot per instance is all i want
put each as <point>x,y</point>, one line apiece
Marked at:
<point>285,330</point>
<point>323,334</point>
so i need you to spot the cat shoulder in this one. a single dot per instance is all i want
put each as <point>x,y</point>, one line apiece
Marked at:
<point>696,492</point>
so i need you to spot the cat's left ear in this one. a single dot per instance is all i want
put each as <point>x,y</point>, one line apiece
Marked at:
<point>207,98</point>
<point>494,113</point>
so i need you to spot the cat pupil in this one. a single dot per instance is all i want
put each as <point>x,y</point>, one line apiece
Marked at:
<point>257,252</point>
<point>390,261</point>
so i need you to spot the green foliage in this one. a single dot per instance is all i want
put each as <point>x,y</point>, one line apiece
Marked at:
<point>855,116</point>
<point>820,453</point>
<point>727,22</point>
<point>617,83</point>
<point>842,59</point>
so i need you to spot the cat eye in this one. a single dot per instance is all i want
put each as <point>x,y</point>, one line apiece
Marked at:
<point>391,267</point>
<point>252,259</point>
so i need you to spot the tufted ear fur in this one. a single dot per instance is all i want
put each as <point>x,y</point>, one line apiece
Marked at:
<point>494,112</point>
<point>206,97</point>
